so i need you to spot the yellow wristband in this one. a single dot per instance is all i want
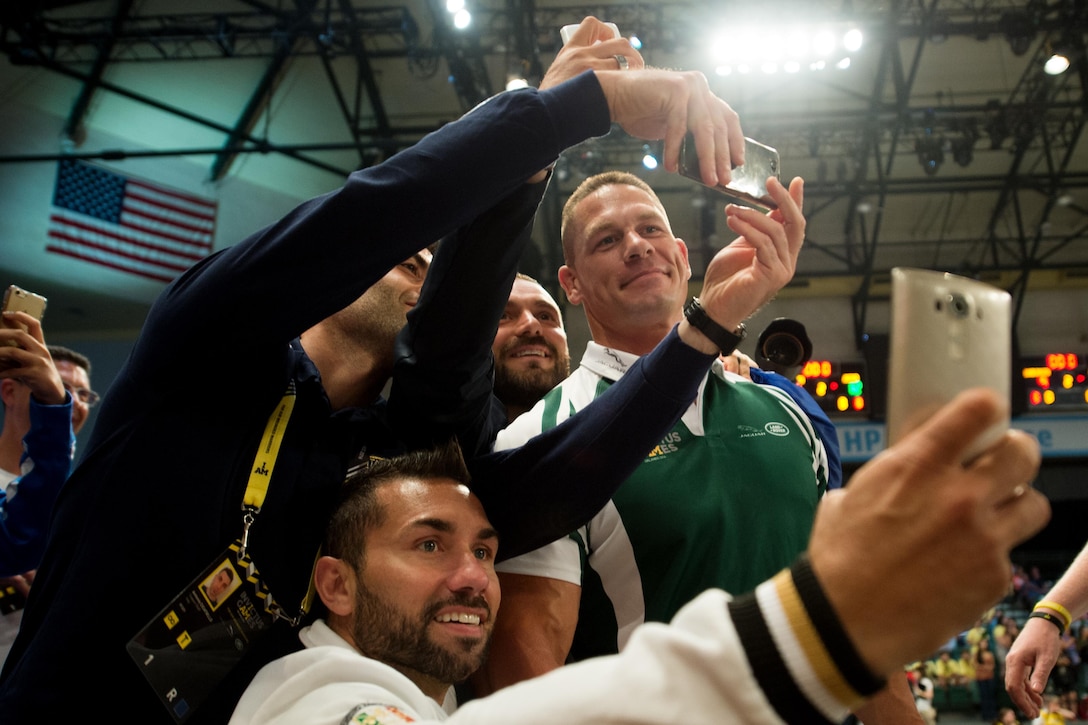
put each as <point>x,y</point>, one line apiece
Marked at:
<point>1062,612</point>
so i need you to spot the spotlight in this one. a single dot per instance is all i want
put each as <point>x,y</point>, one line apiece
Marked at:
<point>1058,60</point>
<point>852,40</point>
<point>930,154</point>
<point>963,148</point>
<point>963,152</point>
<point>1056,64</point>
<point>1019,30</point>
<point>648,158</point>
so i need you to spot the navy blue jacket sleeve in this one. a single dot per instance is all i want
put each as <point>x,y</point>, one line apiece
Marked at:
<point>559,479</point>
<point>823,425</point>
<point>47,458</point>
<point>443,376</point>
<point>256,296</point>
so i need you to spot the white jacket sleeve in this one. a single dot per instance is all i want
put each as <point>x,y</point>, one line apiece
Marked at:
<point>776,655</point>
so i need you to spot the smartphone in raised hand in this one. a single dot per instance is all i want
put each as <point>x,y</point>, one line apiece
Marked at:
<point>17,299</point>
<point>748,184</point>
<point>948,333</point>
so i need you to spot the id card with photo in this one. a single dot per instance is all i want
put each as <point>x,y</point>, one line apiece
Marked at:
<point>11,599</point>
<point>196,640</point>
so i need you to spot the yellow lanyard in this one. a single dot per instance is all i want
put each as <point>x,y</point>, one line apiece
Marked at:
<point>265,460</point>
<point>257,488</point>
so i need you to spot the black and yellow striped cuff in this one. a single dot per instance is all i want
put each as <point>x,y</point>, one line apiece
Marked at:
<point>799,652</point>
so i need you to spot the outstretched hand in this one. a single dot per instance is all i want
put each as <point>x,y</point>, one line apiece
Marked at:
<point>24,357</point>
<point>750,271</point>
<point>890,530</point>
<point>1029,663</point>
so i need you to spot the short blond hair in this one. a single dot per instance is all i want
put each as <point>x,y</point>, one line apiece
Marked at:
<point>587,187</point>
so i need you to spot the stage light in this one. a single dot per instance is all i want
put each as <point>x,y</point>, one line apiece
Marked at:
<point>462,19</point>
<point>852,40</point>
<point>963,152</point>
<point>1018,28</point>
<point>930,154</point>
<point>744,48</point>
<point>1058,62</point>
<point>648,158</point>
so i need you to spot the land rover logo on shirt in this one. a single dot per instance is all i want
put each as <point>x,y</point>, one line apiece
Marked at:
<point>777,429</point>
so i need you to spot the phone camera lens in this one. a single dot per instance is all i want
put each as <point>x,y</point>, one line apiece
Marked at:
<point>958,304</point>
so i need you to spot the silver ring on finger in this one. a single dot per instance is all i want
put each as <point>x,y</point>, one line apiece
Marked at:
<point>621,60</point>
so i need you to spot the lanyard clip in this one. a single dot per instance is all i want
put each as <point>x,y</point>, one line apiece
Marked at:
<point>248,518</point>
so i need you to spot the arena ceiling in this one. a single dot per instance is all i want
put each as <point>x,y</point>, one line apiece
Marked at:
<point>318,88</point>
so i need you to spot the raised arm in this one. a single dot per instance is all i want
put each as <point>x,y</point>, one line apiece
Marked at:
<point>443,375</point>
<point>533,632</point>
<point>1035,650</point>
<point>47,446</point>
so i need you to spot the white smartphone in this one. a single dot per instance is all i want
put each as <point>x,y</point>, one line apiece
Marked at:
<point>17,299</point>
<point>567,31</point>
<point>948,333</point>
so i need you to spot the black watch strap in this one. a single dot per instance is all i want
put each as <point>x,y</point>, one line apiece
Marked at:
<point>725,340</point>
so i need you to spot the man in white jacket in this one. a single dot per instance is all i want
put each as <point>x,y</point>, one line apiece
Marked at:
<point>410,586</point>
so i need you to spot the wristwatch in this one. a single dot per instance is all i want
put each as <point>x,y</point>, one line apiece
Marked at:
<point>725,340</point>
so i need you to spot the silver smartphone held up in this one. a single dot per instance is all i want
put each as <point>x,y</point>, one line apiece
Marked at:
<point>748,184</point>
<point>948,333</point>
<point>17,299</point>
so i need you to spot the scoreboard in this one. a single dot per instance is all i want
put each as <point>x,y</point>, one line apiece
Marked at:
<point>1055,381</point>
<point>839,388</point>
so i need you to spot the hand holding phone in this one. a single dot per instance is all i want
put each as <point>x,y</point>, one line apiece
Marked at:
<point>748,184</point>
<point>948,333</point>
<point>17,299</point>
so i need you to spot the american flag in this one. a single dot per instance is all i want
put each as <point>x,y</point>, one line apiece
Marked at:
<point>127,224</point>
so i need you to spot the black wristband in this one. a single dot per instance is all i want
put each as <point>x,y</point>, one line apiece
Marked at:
<point>1056,621</point>
<point>725,340</point>
<point>836,641</point>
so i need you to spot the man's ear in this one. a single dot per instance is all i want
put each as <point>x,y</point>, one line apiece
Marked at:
<point>7,392</point>
<point>335,584</point>
<point>568,280</point>
<point>684,253</point>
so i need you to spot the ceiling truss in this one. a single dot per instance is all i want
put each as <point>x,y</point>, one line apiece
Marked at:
<point>1043,118</point>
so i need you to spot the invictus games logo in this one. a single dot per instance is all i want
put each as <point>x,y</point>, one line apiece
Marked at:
<point>669,444</point>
